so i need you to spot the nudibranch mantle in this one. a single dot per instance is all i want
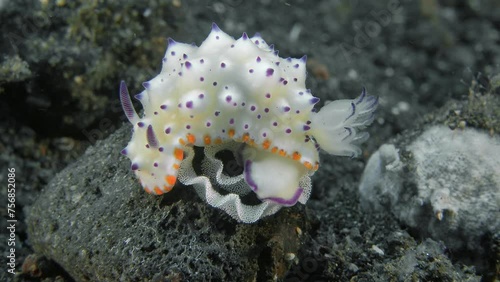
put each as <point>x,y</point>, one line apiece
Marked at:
<point>238,96</point>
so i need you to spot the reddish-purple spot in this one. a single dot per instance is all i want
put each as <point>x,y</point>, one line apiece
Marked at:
<point>268,95</point>
<point>217,113</point>
<point>217,37</point>
<point>172,53</point>
<point>228,98</point>
<point>269,72</point>
<point>188,126</point>
<point>231,121</point>
<point>246,126</point>
<point>163,107</point>
<point>167,131</point>
<point>275,123</point>
<point>134,167</point>
<point>222,65</point>
<point>308,122</point>
<point>184,56</point>
<point>266,110</point>
<point>306,127</point>
<point>147,146</point>
<point>180,73</point>
<point>155,164</point>
<point>235,104</point>
<point>155,113</point>
<point>296,66</point>
<point>140,124</point>
<point>264,134</point>
<point>202,78</point>
<point>288,131</point>
<point>208,124</point>
<point>188,64</point>
<point>258,59</point>
<point>256,42</point>
<point>281,79</point>
<point>297,112</point>
<point>286,109</point>
<point>243,104</point>
<point>160,149</point>
<point>202,61</point>
<point>277,63</point>
<point>252,108</point>
<point>201,96</point>
<point>250,70</point>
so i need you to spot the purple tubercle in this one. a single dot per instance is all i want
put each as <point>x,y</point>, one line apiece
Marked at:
<point>163,107</point>
<point>124,152</point>
<point>140,124</point>
<point>271,46</point>
<point>304,59</point>
<point>146,85</point>
<point>228,98</point>
<point>217,113</point>
<point>134,166</point>
<point>314,100</point>
<point>188,65</point>
<point>161,149</point>
<point>215,28</point>
<point>222,65</point>
<point>361,97</point>
<point>168,130</point>
<point>202,61</point>
<point>287,202</point>
<point>155,164</point>
<point>208,124</point>
<point>253,108</point>
<point>172,53</point>
<point>189,104</point>
<point>306,127</point>
<point>244,36</point>
<point>250,70</point>
<point>288,131</point>
<point>184,56</point>
<point>138,97</point>
<point>289,59</point>
<point>202,78</point>
<point>231,121</point>
<point>164,60</point>
<point>256,42</point>
<point>268,95</point>
<point>127,105</point>
<point>188,126</point>
<point>286,109</point>
<point>246,126</point>
<point>269,72</point>
<point>257,34</point>
<point>276,53</point>
<point>247,168</point>
<point>201,96</point>
<point>151,137</point>
<point>258,59</point>
<point>296,66</point>
<point>275,124</point>
<point>171,42</point>
<point>266,110</point>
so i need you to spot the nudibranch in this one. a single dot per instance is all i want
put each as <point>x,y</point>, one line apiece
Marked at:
<point>238,96</point>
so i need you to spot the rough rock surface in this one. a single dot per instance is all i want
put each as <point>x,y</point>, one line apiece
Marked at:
<point>443,183</point>
<point>98,224</point>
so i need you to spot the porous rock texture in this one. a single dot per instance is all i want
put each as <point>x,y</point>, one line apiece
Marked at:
<point>443,183</point>
<point>95,221</point>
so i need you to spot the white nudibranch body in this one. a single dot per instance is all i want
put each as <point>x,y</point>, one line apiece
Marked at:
<point>238,96</point>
